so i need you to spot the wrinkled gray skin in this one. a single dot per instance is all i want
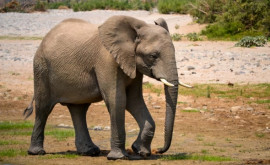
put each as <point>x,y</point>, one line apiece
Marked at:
<point>78,64</point>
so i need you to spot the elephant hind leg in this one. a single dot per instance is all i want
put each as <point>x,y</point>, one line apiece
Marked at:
<point>83,141</point>
<point>43,109</point>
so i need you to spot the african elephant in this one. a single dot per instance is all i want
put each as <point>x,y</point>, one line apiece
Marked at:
<point>77,64</point>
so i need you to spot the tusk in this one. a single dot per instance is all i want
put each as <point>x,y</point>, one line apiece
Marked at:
<point>185,85</point>
<point>166,82</point>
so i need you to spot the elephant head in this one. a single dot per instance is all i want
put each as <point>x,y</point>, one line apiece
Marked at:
<point>148,49</point>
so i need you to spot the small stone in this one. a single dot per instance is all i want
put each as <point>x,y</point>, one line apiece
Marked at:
<point>235,109</point>
<point>107,128</point>
<point>236,117</point>
<point>249,109</point>
<point>97,128</point>
<point>190,68</point>
<point>156,106</point>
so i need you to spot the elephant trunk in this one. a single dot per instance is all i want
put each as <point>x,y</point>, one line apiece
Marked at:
<point>171,93</point>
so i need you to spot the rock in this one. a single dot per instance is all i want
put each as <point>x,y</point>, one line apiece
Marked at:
<point>156,106</point>
<point>184,59</point>
<point>190,68</point>
<point>62,125</point>
<point>132,130</point>
<point>208,66</point>
<point>236,117</point>
<point>250,109</point>
<point>239,73</point>
<point>235,109</point>
<point>107,128</point>
<point>97,128</point>
<point>193,73</point>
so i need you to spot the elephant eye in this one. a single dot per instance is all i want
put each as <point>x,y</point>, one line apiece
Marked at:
<point>154,56</point>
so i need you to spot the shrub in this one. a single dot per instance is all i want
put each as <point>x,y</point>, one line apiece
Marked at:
<point>113,4</point>
<point>12,6</point>
<point>40,6</point>
<point>173,6</point>
<point>176,37</point>
<point>193,37</point>
<point>240,18</point>
<point>248,41</point>
<point>206,11</point>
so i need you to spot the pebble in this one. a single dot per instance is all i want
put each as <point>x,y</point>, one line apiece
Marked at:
<point>190,68</point>
<point>156,106</point>
<point>97,128</point>
<point>235,109</point>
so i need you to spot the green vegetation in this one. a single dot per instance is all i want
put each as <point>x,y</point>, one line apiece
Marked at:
<point>12,153</point>
<point>25,129</point>
<point>192,110</point>
<point>248,41</point>
<point>174,6</point>
<point>182,156</point>
<point>61,134</point>
<point>57,156</point>
<point>9,142</point>
<point>193,37</point>
<point>225,91</point>
<point>20,38</point>
<point>112,4</point>
<point>176,37</point>
<point>233,20</point>
<point>262,101</point>
<point>259,135</point>
<point>152,88</point>
<point>19,125</point>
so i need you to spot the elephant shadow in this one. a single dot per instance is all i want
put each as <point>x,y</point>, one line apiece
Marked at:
<point>133,156</point>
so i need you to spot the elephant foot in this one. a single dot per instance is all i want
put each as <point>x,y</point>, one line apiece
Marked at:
<point>36,151</point>
<point>118,154</point>
<point>142,151</point>
<point>93,151</point>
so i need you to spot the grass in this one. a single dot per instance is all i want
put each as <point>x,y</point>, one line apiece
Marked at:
<point>259,135</point>
<point>220,90</point>
<point>25,129</point>
<point>262,101</point>
<point>152,88</point>
<point>10,142</point>
<point>20,38</point>
<point>12,153</point>
<point>192,110</point>
<point>225,91</point>
<point>210,144</point>
<point>57,156</point>
<point>182,156</point>
<point>6,125</point>
<point>61,134</point>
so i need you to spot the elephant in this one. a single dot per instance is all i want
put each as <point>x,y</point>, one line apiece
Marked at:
<point>78,63</point>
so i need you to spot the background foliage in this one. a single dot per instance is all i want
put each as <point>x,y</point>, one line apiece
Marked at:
<point>227,19</point>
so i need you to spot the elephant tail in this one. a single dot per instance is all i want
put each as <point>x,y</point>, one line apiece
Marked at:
<point>29,110</point>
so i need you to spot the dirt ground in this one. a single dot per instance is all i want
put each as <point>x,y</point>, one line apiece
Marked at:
<point>218,129</point>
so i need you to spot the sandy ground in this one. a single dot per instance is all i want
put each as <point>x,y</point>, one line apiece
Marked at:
<point>217,130</point>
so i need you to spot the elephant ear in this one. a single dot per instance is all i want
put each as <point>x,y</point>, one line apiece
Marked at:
<point>161,22</point>
<point>118,34</point>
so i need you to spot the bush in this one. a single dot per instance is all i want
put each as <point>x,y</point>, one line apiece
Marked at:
<point>206,11</point>
<point>248,41</point>
<point>89,5</point>
<point>40,6</point>
<point>176,37</point>
<point>12,6</point>
<point>240,18</point>
<point>174,6</point>
<point>193,37</point>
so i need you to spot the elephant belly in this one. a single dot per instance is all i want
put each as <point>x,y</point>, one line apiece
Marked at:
<point>79,89</point>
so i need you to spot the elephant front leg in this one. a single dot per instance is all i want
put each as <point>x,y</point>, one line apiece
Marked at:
<point>136,106</point>
<point>115,100</point>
